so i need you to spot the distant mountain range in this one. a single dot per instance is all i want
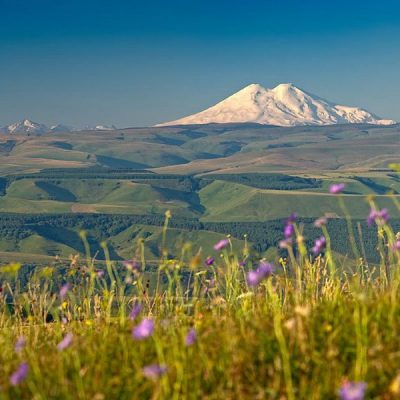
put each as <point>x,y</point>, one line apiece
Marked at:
<point>284,105</point>
<point>28,127</point>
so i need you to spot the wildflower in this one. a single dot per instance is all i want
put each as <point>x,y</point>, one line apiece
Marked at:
<point>291,218</point>
<point>135,311</point>
<point>396,245</point>
<point>64,291</point>
<point>263,271</point>
<point>379,217</point>
<point>284,244</point>
<point>320,222</point>
<point>20,344</point>
<point>319,245</point>
<point>154,371</point>
<point>221,244</point>
<point>337,188</point>
<point>211,284</point>
<point>100,273</point>
<point>143,330</point>
<point>352,391</point>
<point>209,261</point>
<point>66,342</point>
<point>131,265</point>
<point>288,231</point>
<point>191,337</point>
<point>20,374</point>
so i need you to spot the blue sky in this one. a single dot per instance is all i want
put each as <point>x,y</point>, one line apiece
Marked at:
<point>136,63</point>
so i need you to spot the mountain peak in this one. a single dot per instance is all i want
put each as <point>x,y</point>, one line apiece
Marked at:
<point>25,126</point>
<point>284,105</point>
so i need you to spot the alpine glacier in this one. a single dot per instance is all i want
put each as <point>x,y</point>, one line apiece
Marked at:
<point>284,105</point>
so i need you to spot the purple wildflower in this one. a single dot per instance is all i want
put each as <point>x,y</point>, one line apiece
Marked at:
<point>135,311</point>
<point>320,222</point>
<point>191,337</point>
<point>291,218</point>
<point>143,330</point>
<point>209,261</point>
<point>66,342</point>
<point>319,245</point>
<point>337,188</point>
<point>154,371</point>
<point>64,291</point>
<point>380,217</point>
<point>264,270</point>
<point>221,244</point>
<point>396,245</point>
<point>20,344</point>
<point>288,231</point>
<point>352,391</point>
<point>20,374</point>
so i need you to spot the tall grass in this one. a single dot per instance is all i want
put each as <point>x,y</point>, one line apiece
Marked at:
<point>220,331</point>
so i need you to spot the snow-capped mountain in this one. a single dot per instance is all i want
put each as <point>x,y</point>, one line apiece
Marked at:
<point>284,105</point>
<point>25,127</point>
<point>60,128</point>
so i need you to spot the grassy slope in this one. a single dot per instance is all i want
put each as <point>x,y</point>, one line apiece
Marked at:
<point>234,202</point>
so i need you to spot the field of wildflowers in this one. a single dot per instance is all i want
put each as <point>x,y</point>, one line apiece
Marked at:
<point>310,325</point>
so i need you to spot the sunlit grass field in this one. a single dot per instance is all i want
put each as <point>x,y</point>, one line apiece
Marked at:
<point>303,325</point>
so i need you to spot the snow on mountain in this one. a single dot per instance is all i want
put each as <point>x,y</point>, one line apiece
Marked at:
<point>25,127</point>
<point>100,128</point>
<point>61,128</point>
<point>284,105</point>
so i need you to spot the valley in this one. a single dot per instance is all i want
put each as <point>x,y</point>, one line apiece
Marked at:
<point>218,179</point>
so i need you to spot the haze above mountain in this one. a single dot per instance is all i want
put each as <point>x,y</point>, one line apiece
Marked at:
<point>284,105</point>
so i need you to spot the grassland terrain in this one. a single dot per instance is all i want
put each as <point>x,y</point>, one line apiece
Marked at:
<point>233,173</point>
<point>212,303</point>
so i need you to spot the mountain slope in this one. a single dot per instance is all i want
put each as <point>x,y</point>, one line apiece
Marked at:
<point>25,127</point>
<point>284,105</point>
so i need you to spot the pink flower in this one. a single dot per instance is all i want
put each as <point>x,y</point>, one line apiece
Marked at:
<point>154,371</point>
<point>66,342</point>
<point>64,291</point>
<point>353,391</point>
<point>221,244</point>
<point>337,188</point>
<point>143,330</point>
<point>320,222</point>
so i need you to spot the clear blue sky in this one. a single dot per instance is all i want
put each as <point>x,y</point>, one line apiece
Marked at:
<point>136,63</point>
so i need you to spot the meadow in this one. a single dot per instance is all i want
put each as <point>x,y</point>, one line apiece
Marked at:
<point>308,324</point>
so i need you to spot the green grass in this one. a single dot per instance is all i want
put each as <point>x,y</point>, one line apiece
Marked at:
<point>225,201</point>
<point>273,340</point>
